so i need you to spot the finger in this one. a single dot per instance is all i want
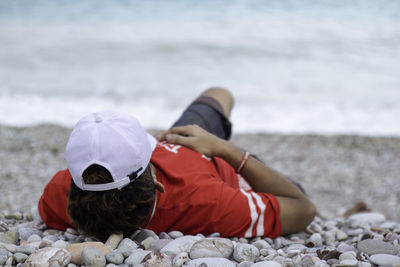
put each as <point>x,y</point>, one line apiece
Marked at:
<point>160,136</point>
<point>182,130</point>
<point>178,139</point>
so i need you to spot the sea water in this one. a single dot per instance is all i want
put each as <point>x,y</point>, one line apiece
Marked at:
<point>325,67</point>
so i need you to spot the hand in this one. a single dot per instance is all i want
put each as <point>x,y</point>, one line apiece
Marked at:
<point>194,137</point>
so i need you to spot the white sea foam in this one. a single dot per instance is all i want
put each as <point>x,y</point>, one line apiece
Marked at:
<point>293,66</point>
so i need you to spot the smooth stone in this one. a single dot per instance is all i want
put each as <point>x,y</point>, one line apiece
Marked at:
<point>210,262</point>
<point>164,235</point>
<point>48,257</point>
<point>33,238</point>
<point>355,232</point>
<point>10,247</point>
<point>157,245</point>
<point>245,264</point>
<point>180,259</point>
<point>20,257</point>
<point>156,259</point>
<point>25,233</point>
<point>70,237</point>
<point>71,265</point>
<point>3,259</point>
<point>181,244</point>
<point>349,262</point>
<point>261,244</point>
<point>59,244</point>
<point>316,239</point>
<point>51,238</point>
<point>10,237</point>
<point>306,261</point>
<point>330,238</point>
<point>126,247</point>
<point>114,240</point>
<point>93,257</point>
<point>364,264</point>
<point>340,235</point>
<point>348,255</point>
<point>141,235</point>
<point>136,257</point>
<point>343,247</point>
<point>77,248</point>
<point>72,231</point>
<point>375,246</point>
<point>115,257</point>
<point>175,234</point>
<point>245,252</point>
<point>27,249</point>
<point>216,234</point>
<point>14,216</point>
<point>267,264</point>
<point>384,259</point>
<point>147,242</point>
<point>366,218</point>
<point>212,247</point>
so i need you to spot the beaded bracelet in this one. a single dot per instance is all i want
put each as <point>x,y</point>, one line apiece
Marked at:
<point>243,162</point>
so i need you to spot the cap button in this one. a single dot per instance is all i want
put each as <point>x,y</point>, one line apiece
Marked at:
<point>97,118</point>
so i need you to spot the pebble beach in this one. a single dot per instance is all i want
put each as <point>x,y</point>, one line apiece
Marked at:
<point>337,172</point>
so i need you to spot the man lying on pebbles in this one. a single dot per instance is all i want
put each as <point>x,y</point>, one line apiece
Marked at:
<point>191,201</point>
<point>191,180</point>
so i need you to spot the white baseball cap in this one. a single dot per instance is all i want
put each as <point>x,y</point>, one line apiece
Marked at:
<point>112,140</point>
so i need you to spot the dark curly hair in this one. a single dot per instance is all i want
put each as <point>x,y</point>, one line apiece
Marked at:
<point>99,214</point>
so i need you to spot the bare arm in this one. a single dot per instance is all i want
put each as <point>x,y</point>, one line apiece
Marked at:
<point>297,211</point>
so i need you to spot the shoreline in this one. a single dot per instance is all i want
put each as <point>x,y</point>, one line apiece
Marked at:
<point>337,171</point>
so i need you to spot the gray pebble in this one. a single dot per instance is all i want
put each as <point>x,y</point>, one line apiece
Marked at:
<point>267,264</point>
<point>114,257</point>
<point>164,235</point>
<point>20,257</point>
<point>245,264</point>
<point>141,235</point>
<point>51,238</point>
<point>136,257</point>
<point>148,242</point>
<point>175,234</point>
<point>3,259</point>
<point>70,237</point>
<point>92,256</point>
<point>59,244</point>
<point>34,237</point>
<point>180,259</point>
<point>245,252</point>
<point>10,237</point>
<point>126,247</point>
<point>374,246</point>
<point>343,247</point>
<point>261,244</point>
<point>216,234</point>
<point>157,245</point>
<point>384,259</point>
<point>25,233</point>
<point>211,247</point>
<point>26,249</point>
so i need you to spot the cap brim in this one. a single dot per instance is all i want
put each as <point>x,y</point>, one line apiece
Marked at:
<point>152,141</point>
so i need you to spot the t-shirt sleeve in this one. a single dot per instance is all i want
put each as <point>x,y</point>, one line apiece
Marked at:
<point>53,202</point>
<point>247,213</point>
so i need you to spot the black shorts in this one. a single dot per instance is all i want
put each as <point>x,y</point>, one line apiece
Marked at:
<point>207,113</point>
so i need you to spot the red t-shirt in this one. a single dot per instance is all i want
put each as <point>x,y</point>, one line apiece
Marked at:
<point>202,195</point>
